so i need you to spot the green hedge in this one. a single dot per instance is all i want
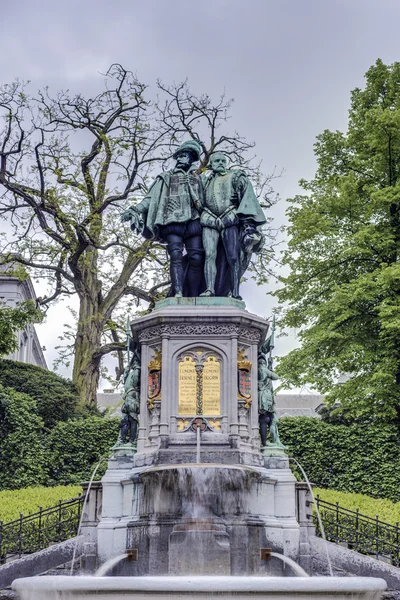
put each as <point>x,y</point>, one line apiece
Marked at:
<point>56,397</point>
<point>386,510</point>
<point>29,500</point>
<point>75,447</point>
<point>355,458</point>
<point>22,456</point>
<point>31,455</point>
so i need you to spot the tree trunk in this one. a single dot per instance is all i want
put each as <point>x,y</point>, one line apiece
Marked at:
<point>86,370</point>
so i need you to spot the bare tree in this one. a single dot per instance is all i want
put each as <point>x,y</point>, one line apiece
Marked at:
<point>68,166</point>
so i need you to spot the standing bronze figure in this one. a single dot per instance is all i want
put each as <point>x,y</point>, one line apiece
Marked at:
<point>131,405</point>
<point>230,219</point>
<point>170,212</point>
<point>266,399</point>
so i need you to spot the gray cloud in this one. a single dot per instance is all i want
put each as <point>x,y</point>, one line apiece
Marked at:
<point>289,64</point>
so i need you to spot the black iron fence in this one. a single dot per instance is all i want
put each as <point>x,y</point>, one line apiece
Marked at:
<point>41,529</point>
<point>359,532</point>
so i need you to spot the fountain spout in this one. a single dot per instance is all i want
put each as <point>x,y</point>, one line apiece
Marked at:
<point>198,425</point>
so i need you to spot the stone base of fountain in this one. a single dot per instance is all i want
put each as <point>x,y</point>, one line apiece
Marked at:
<point>199,588</point>
<point>233,514</point>
<point>199,548</point>
<point>198,518</point>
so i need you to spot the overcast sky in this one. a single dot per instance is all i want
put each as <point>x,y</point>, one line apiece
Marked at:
<point>289,64</point>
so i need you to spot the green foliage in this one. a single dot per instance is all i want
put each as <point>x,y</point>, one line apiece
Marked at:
<point>386,510</point>
<point>56,397</point>
<point>22,456</point>
<point>356,458</point>
<point>75,447</point>
<point>12,320</point>
<point>32,454</point>
<point>29,500</point>
<point>342,293</point>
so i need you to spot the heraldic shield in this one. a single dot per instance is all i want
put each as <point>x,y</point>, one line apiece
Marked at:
<point>154,385</point>
<point>244,383</point>
<point>244,376</point>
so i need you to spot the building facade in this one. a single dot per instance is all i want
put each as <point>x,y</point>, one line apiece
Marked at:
<point>12,292</point>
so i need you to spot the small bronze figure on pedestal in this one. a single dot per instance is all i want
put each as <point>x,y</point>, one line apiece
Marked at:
<point>266,401</point>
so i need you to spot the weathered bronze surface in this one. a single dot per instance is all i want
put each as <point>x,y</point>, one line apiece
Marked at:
<point>211,386</point>
<point>187,388</point>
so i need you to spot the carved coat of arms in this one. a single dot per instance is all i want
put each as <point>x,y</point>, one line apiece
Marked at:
<point>154,380</point>
<point>244,377</point>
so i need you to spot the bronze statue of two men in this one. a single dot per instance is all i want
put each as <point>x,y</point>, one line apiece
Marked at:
<point>215,217</point>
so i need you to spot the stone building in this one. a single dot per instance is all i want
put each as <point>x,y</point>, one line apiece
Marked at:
<point>13,291</point>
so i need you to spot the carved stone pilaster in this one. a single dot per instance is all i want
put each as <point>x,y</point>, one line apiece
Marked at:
<point>243,417</point>
<point>154,429</point>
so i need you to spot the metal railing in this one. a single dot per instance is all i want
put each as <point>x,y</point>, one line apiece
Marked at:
<point>359,532</point>
<point>39,530</point>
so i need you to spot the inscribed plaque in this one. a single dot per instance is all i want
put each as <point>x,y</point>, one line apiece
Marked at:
<point>211,387</point>
<point>187,388</point>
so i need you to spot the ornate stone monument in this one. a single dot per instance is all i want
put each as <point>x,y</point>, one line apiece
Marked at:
<point>198,494</point>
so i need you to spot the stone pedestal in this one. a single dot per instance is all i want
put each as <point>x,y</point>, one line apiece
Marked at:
<point>198,400</point>
<point>199,330</point>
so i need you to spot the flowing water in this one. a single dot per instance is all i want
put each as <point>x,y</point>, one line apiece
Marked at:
<point>297,569</point>
<point>83,509</point>
<point>321,527</point>
<point>107,566</point>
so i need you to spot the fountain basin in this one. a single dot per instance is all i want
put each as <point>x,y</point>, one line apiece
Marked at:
<point>199,587</point>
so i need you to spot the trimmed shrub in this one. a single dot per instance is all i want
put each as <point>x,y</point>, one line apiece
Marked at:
<point>22,455</point>
<point>386,510</point>
<point>56,397</point>
<point>355,458</point>
<point>29,500</point>
<point>74,448</point>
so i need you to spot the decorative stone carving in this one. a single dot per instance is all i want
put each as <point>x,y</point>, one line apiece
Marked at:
<point>243,418</point>
<point>191,424</point>
<point>154,431</point>
<point>154,379</point>
<point>244,378</point>
<point>152,333</point>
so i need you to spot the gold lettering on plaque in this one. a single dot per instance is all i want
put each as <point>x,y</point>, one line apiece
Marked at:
<point>211,386</point>
<point>187,387</point>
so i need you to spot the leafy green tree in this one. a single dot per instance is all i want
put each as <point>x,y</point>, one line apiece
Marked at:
<point>68,166</point>
<point>343,289</point>
<point>12,320</point>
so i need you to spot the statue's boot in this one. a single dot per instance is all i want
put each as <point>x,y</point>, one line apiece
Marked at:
<point>195,270</point>
<point>176,271</point>
<point>133,432</point>
<point>235,281</point>
<point>210,274</point>
<point>175,251</point>
<point>124,426</point>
